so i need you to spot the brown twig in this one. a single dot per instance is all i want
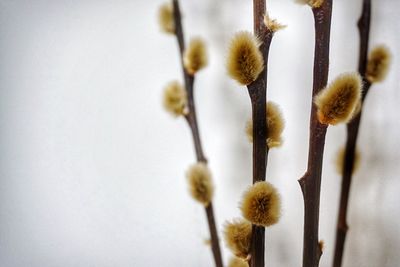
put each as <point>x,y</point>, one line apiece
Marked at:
<point>311,182</point>
<point>258,95</point>
<point>192,122</point>
<point>352,134</point>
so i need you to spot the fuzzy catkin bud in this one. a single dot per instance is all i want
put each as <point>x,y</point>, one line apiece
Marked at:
<point>378,64</point>
<point>337,102</point>
<point>175,99</point>
<point>200,183</point>
<point>272,24</point>
<point>261,204</point>
<point>238,237</point>
<point>275,124</point>
<point>166,18</point>
<point>195,56</point>
<point>236,262</point>
<point>340,158</point>
<point>245,61</point>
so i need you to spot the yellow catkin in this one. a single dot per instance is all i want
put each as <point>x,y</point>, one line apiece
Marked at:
<point>195,56</point>
<point>261,204</point>
<point>200,183</point>
<point>236,262</point>
<point>245,61</point>
<point>312,3</point>
<point>238,237</point>
<point>175,99</point>
<point>275,124</point>
<point>378,64</point>
<point>272,24</point>
<point>337,102</point>
<point>341,157</point>
<point>166,18</point>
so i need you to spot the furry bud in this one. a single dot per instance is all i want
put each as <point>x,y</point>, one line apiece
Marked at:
<point>378,64</point>
<point>337,102</point>
<point>261,204</point>
<point>238,237</point>
<point>275,124</point>
<point>272,24</point>
<point>340,158</point>
<point>195,56</point>
<point>200,183</point>
<point>236,262</point>
<point>175,99</point>
<point>245,61</point>
<point>166,18</point>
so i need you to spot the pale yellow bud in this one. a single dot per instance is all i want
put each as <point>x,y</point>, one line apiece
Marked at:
<point>200,183</point>
<point>195,56</point>
<point>166,18</point>
<point>175,99</point>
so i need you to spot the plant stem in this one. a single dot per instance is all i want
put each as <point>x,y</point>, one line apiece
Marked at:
<point>258,95</point>
<point>192,122</point>
<point>311,182</point>
<point>352,135</point>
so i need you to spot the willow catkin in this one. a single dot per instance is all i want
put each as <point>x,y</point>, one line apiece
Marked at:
<point>378,64</point>
<point>261,204</point>
<point>337,102</point>
<point>245,61</point>
<point>166,18</point>
<point>200,183</point>
<point>238,237</point>
<point>175,99</point>
<point>195,56</point>
<point>275,125</point>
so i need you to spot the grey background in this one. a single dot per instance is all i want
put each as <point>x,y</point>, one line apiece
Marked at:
<point>92,168</point>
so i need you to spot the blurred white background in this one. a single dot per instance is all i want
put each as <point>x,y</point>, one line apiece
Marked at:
<point>92,168</point>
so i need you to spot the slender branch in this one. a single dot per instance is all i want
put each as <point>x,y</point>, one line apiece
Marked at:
<point>258,95</point>
<point>352,134</point>
<point>311,182</point>
<point>192,122</point>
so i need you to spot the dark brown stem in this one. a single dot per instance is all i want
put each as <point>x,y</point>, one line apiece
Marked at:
<point>352,135</point>
<point>192,122</point>
<point>258,95</point>
<point>311,182</point>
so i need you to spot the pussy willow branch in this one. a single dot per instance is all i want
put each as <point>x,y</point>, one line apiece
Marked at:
<point>311,182</point>
<point>192,122</point>
<point>352,135</point>
<point>258,95</point>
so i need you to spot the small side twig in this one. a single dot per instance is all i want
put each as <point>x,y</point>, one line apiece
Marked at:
<point>258,95</point>
<point>311,182</point>
<point>192,122</point>
<point>352,135</point>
